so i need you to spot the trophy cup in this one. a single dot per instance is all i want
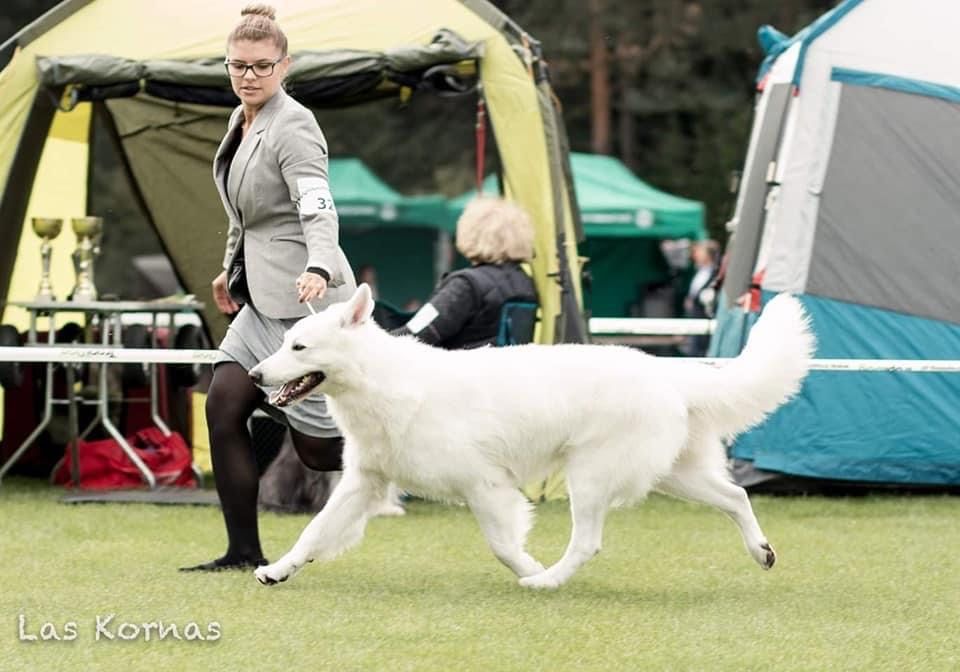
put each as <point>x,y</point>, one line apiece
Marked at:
<point>88,231</point>
<point>47,228</point>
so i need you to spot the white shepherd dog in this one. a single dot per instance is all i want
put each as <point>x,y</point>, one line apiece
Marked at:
<point>475,425</point>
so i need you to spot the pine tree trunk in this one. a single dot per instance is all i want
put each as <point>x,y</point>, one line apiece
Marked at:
<point>599,82</point>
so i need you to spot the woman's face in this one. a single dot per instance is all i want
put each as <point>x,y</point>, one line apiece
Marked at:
<point>251,89</point>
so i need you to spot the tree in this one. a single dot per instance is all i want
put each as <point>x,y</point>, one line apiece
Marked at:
<point>677,80</point>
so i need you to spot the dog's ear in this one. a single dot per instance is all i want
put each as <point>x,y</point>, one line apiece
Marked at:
<point>359,307</point>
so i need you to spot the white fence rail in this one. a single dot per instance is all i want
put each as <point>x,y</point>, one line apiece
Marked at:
<point>646,326</point>
<point>93,354</point>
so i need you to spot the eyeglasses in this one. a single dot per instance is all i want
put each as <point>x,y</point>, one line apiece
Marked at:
<point>261,69</point>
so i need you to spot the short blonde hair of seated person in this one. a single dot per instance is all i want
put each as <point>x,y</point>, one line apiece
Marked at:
<point>492,230</point>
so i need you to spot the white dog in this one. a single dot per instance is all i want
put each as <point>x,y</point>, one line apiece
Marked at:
<point>474,425</point>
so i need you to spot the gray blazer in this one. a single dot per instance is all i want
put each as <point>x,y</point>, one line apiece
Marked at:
<point>278,202</point>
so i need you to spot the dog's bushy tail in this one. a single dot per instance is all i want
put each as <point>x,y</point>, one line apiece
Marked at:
<point>739,394</point>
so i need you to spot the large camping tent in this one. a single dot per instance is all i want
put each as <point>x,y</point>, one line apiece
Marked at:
<point>165,96</point>
<point>624,219</point>
<point>851,200</point>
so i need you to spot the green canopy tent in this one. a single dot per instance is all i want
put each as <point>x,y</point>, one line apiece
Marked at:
<point>624,219</point>
<point>396,234</point>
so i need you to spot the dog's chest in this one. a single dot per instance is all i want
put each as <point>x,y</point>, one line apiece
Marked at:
<point>376,442</point>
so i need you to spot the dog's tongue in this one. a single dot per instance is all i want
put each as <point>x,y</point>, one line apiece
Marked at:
<point>295,389</point>
<point>282,396</point>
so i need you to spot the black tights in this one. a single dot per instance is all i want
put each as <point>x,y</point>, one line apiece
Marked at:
<point>231,400</point>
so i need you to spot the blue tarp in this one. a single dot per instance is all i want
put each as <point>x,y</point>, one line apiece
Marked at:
<point>881,427</point>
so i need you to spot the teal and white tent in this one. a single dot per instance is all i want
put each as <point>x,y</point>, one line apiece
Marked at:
<point>850,199</point>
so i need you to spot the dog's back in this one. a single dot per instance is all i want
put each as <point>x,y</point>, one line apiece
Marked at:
<point>502,412</point>
<point>527,410</point>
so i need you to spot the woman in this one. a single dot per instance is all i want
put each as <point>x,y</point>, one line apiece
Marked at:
<point>464,310</point>
<point>281,254</point>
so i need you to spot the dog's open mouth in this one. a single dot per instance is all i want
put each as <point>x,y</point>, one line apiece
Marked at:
<point>295,390</point>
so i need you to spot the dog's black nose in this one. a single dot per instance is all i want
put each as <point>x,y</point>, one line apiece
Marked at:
<point>256,376</point>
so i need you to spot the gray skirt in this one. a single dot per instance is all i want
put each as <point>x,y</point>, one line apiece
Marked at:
<point>251,338</point>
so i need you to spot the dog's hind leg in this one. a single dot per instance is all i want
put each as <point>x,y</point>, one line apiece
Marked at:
<point>701,476</point>
<point>335,529</point>
<point>504,515</point>
<point>588,506</point>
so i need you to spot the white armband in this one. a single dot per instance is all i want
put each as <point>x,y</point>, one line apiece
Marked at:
<point>426,315</point>
<point>315,196</point>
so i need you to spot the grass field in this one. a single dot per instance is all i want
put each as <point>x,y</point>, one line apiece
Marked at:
<point>861,584</point>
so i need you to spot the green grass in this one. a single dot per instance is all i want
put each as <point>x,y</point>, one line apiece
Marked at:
<point>860,584</point>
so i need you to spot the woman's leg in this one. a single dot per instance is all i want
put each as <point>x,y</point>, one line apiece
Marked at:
<point>231,400</point>
<point>318,453</point>
<point>325,454</point>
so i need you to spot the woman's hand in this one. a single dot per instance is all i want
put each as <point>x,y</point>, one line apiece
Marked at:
<point>310,286</point>
<point>221,296</point>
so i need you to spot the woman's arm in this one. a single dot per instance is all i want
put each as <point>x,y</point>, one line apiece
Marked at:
<point>302,155</point>
<point>445,314</point>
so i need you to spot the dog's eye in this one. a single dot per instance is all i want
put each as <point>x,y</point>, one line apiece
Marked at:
<point>297,347</point>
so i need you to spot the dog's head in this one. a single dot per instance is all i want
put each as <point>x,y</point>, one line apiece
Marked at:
<point>314,351</point>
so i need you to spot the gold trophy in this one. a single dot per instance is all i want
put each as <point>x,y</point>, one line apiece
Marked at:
<point>88,231</point>
<point>47,228</point>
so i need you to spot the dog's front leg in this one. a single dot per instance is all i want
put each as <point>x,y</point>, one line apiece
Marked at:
<point>335,529</point>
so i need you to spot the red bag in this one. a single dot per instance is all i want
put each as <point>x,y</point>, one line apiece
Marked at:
<point>104,465</point>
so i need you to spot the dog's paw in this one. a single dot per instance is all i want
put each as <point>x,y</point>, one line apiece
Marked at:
<point>270,575</point>
<point>770,558</point>
<point>765,556</point>
<point>541,581</point>
<point>530,568</point>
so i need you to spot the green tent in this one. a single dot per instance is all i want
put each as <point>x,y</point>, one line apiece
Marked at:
<point>616,203</point>
<point>397,235</point>
<point>363,199</point>
<point>624,219</point>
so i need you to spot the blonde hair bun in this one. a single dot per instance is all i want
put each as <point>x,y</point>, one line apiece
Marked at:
<point>259,9</point>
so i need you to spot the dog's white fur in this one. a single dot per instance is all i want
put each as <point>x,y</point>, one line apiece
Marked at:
<point>475,425</point>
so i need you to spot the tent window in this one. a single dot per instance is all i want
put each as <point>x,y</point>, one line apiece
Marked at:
<point>750,218</point>
<point>889,217</point>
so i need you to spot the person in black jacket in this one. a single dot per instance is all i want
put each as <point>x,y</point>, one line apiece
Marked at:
<point>464,310</point>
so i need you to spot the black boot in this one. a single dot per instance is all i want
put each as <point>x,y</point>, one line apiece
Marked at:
<point>227,563</point>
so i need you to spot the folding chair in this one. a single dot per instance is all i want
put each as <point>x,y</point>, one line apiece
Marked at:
<point>517,322</point>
